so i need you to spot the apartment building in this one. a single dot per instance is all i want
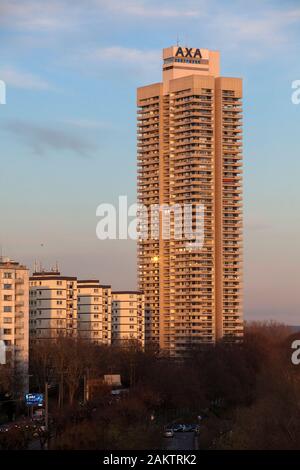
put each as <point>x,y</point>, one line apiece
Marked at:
<point>190,153</point>
<point>128,317</point>
<point>53,305</point>
<point>94,311</point>
<point>14,317</point>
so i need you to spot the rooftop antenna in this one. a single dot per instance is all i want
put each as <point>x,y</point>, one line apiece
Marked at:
<point>177,40</point>
<point>187,40</point>
<point>39,266</point>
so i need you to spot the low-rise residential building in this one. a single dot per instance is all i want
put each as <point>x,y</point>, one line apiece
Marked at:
<point>128,317</point>
<point>94,311</point>
<point>14,317</point>
<point>53,305</point>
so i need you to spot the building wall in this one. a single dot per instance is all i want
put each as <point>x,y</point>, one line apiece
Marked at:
<point>128,317</point>
<point>189,152</point>
<point>94,311</point>
<point>14,316</point>
<point>53,306</point>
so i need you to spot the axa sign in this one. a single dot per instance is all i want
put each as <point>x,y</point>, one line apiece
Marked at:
<point>188,52</point>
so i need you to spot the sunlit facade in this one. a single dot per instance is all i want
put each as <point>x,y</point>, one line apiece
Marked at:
<point>128,317</point>
<point>190,152</point>
<point>14,317</point>
<point>53,306</point>
<point>94,311</point>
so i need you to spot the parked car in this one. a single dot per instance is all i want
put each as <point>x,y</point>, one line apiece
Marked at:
<point>178,427</point>
<point>188,428</point>
<point>168,432</point>
<point>195,428</point>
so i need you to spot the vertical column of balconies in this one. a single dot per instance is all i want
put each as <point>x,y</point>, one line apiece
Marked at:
<point>106,314</point>
<point>165,184</point>
<point>232,213</point>
<point>191,167</point>
<point>148,194</point>
<point>71,308</point>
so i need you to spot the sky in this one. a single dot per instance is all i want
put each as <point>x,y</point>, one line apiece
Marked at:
<point>68,129</point>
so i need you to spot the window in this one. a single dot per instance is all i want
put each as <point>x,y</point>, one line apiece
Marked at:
<point>7,286</point>
<point>7,308</point>
<point>7,276</point>
<point>7,331</point>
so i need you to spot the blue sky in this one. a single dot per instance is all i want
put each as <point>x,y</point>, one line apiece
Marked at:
<point>68,130</point>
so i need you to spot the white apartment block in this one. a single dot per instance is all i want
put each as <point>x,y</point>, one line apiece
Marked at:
<point>14,317</point>
<point>94,311</point>
<point>53,305</point>
<point>128,317</point>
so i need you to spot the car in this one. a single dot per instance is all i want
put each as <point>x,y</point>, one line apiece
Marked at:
<point>168,432</point>
<point>194,428</point>
<point>188,428</point>
<point>178,427</point>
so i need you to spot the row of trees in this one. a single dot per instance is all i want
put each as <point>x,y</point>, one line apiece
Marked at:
<point>271,419</point>
<point>247,392</point>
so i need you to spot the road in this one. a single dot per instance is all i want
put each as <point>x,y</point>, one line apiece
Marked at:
<point>180,441</point>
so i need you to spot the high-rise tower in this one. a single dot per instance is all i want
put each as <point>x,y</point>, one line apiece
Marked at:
<point>189,153</point>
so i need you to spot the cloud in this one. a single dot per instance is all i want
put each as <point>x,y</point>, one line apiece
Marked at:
<point>268,28</point>
<point>35,15</point>
<point>67,15</point>
<point>19,79</point>
<point>42,140</point>
<point>118,59</point>
<point>87,123</point>
<point>260,29</point>
<point>153,9</point>
<point>123,54</point>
